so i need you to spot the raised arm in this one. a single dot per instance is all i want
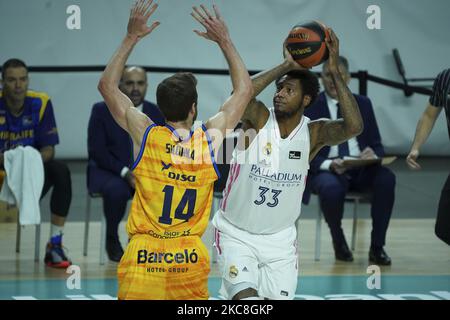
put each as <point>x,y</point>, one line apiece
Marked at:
<point>120,106</point>
<point>326,132</point>
<point>256,112</point>
<point>423,130</point>
<point>231,111</point>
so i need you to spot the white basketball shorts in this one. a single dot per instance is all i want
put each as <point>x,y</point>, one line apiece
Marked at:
<point>268,262</point>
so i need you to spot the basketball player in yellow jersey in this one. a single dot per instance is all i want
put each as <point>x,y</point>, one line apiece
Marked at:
<point>174,167</point>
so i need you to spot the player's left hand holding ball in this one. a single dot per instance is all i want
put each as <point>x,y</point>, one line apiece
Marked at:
<point>290,60</point>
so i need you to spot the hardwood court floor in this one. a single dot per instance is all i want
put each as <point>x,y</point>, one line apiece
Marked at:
<point>411,244</point>
<point>420,270</point>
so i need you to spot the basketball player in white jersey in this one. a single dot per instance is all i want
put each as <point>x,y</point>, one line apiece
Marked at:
<point>255,234</point>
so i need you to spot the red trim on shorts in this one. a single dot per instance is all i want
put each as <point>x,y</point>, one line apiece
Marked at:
<point>228,186</point>
<point>217,240</point>
<point>296,253</point>
<point>235,170</point>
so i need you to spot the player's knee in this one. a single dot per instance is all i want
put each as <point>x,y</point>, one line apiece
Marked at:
<point>118,195</point>
<point>240,290</point>
<point>246,293</point>
<point>385,179</point>
<point>332,191</point>
<point>61,173</point>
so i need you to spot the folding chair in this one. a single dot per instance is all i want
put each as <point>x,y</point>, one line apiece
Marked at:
<point>356,198</point>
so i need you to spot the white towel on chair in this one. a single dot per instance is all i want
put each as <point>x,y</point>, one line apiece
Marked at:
<point>24,182</point>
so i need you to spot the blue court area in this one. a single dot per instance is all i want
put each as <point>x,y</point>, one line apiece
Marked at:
<point>310,287</point>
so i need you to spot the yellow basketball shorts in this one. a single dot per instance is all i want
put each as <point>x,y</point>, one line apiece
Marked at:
<point>169,269</point>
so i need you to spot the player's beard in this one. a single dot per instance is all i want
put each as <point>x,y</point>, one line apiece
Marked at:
<point>282,115</point>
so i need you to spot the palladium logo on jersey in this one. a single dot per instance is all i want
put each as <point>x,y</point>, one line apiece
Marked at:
<point>267,173</point>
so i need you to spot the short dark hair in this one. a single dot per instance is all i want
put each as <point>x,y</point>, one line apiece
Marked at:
<point>12,63</point>
<point>308,81</point>
<point>175,96</point>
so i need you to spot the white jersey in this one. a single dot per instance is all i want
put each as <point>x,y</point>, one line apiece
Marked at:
<point>265,185</point>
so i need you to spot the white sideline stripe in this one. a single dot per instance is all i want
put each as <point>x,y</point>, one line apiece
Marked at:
<point>24,298</point>
<point>77,297</point>
<point>103,297</point>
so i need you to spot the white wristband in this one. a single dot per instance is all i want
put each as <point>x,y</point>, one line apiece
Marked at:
<point>124,172</point>
<point>326,165</point>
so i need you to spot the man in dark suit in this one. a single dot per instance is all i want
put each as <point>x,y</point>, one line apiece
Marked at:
<point>331,180</point>
<point>110,156</point>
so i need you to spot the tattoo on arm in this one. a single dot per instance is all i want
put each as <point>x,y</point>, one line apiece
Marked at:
<point>255,112</point>
<point>326,132</point>
<point>351,115</point>
<point>261,80</point>
<point>335,132</point>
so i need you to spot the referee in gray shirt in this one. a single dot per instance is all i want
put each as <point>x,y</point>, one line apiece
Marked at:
<point>439,100</point>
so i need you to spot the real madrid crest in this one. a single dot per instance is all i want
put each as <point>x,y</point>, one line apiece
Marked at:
<point>267,150</point>
<point>233,272</point>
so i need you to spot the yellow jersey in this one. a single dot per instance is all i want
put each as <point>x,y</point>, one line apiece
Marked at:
<point>174,184</point>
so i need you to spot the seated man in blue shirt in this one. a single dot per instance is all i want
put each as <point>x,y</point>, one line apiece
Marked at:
<point>27,119</point>
<point>331,180</point>
<point>110,155</point>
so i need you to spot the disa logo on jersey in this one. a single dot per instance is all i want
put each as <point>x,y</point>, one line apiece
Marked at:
<point>181,177</point>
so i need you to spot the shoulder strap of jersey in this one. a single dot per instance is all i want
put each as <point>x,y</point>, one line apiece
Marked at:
<point>144,142</point>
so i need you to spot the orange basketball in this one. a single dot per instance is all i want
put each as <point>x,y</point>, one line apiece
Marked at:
<point>306,43</point>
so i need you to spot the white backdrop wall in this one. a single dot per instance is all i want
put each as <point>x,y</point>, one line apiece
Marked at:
<point>35,31</point>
